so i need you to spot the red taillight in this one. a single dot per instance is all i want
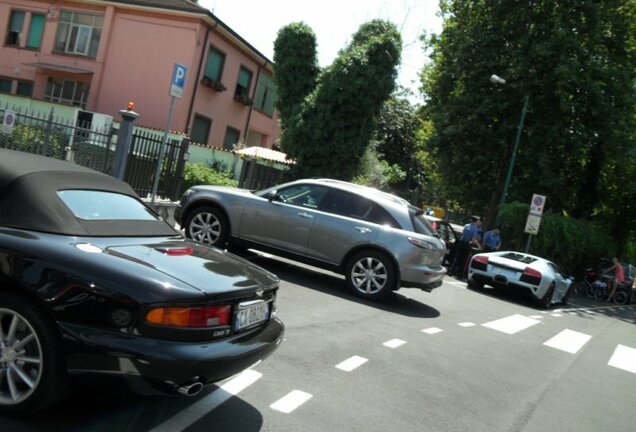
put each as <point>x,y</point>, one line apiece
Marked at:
<point>197,317</point>
<point>481,259</point>
<point>532,272</point>
<point>176,251</point>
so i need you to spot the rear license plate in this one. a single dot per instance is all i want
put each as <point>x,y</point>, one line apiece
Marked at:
<point>508,274</point>
<point>251,313</point>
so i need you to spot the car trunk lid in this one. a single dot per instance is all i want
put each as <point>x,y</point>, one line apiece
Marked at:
<point>217,273</point>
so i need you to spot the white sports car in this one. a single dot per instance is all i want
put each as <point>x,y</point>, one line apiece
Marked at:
<point>517,271</point>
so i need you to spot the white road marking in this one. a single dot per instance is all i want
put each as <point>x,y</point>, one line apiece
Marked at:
<point>467,324</point>
<point>201,408</point>
<point>569,341</point>
<point>512,324</point>
<point>432,330</point>
<point>351,363</point>
<point>624,358</point>
<point>394,343</point>
<point>291,401</point>
<point>457,283</point>
<point>536,316</point>
<point>556,315</point>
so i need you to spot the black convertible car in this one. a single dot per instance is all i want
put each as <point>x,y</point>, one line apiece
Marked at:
<point>92,281</point>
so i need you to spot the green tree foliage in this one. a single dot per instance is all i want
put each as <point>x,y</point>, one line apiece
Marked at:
<point>576,61</point>
<point>398,144</point>
<point>330,132</point>
<point>198,174</point>
<point>573,243</point>
<point>295,67</point>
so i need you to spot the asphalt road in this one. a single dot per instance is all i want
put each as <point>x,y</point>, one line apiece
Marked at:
<point>451,360</point>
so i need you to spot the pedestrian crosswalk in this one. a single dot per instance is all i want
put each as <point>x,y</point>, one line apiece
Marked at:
<point>565,340</point>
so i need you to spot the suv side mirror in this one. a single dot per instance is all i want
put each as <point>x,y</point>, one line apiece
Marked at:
<point>272,195</point>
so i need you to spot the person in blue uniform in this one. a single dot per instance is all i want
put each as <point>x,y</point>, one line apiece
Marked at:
<point>470,239</point>
<point>492,239</point>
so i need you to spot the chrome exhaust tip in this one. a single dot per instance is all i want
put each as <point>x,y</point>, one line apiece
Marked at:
<point>191,389</point>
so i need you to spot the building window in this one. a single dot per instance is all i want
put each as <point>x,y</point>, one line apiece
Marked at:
<point>200,129</point>
<point>78,33</point>
<point>16,25</point>
<point>36,29</point>
<point>5,85</point>
<point>25,88</point>
<point>243,84</point>
<point>16,22</point>
<point>66,91</point>
<point>214,66</point>
<point>265,97</point>
<point>232,137</point>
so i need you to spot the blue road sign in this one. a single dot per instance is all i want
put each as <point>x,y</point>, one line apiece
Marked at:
<point>178,80</point>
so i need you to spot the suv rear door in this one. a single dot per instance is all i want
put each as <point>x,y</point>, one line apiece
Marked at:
<point>345,220</point>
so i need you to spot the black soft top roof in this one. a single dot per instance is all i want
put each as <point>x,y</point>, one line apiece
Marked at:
<point>29,199</point>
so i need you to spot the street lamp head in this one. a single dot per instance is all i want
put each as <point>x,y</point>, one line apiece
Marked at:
<point>496,79</point>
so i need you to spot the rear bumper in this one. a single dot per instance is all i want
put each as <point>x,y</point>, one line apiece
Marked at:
<point>509,285</point>
<point>158,366</point>
<point>423,277</point>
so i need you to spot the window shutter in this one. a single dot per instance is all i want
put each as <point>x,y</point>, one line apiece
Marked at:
<point>36,28</point>
<point>214,65</point>
<point>244,78</point>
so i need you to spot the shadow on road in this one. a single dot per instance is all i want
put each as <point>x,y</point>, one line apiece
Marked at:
<point>108,405</point>
<point>579,305</point>
<point>332,284</point>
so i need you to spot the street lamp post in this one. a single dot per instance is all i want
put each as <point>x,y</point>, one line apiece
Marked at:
<point>498,80</point>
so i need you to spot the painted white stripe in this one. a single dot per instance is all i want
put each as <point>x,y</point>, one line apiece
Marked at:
<point>351,363</point>
<point>467,324</point>
<point>394,343</point>
<point>456,283</point>
<point>201,408</point>
<point>624,358</point>
<point>291,401</point>
<point>432,330</point>
<point>569,341</point>
<point>556,315</point>
<point>512,324</point>
<point>536,316</point>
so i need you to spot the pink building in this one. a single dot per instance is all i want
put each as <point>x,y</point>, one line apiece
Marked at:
<point>102,54</point>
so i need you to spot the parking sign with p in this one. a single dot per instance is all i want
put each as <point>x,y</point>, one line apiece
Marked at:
<point>178,80</point>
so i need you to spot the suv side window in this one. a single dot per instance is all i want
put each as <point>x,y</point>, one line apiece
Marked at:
<point>304,195</point>
<point>357,207</point>
<point>380,216</point>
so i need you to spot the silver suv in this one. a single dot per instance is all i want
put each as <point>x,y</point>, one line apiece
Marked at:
<point>377,240</point>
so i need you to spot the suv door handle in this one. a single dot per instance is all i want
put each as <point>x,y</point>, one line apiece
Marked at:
<point>364,230</point>
<point>305,215</point>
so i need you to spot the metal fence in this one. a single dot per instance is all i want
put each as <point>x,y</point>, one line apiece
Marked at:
<point>84,143</point>
<point>142,164</point>
<point>75,141</point>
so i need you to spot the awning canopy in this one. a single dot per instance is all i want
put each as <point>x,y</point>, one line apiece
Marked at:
<point>60,68</point>
<point>265,153</point>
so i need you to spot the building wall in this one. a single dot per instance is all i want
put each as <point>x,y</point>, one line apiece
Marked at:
<point>141,53</point>
<point>134,62</point>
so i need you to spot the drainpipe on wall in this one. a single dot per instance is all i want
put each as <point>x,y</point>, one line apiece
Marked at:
<point>249,114</point>
<point>196,83</point>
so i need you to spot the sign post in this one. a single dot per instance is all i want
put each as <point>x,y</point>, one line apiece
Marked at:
<point>534,217</point>
<point>176,90</point>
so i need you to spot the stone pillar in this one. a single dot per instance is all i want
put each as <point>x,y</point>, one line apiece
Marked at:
<point>124,138</point>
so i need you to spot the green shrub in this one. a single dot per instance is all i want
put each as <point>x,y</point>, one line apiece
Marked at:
<point>572,243</point>
<point>199,174</point>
